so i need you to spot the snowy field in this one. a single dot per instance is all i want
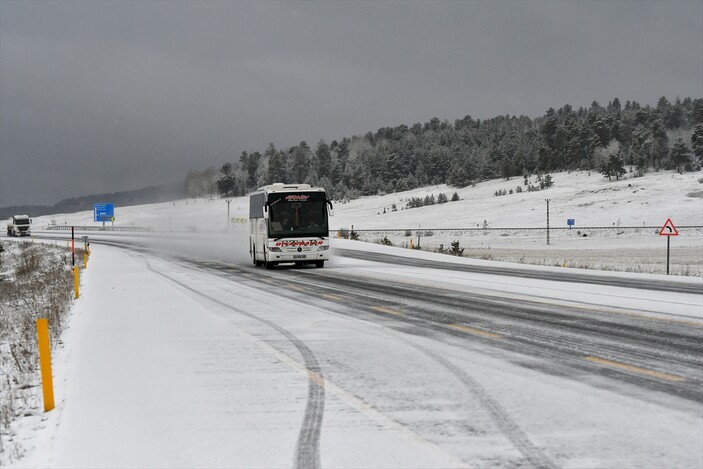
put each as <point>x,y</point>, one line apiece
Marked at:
<point>633,209</point>
<point>181,354</point>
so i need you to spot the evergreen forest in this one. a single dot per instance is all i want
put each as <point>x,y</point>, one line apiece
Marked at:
<point>604,139</point>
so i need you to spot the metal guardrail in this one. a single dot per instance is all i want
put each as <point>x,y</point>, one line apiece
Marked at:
<point>362,230</point>
<point>101,228</point>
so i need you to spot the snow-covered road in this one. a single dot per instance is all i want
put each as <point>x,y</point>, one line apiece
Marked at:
<point>183,362</point>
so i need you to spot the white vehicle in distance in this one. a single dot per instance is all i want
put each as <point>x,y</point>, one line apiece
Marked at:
<point>288,223</point>
<point>18,225</point>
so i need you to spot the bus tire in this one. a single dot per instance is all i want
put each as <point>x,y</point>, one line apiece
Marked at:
<point>319,264</point>
<point>269,265</point>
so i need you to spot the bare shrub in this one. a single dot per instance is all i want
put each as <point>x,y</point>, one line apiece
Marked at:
<point>456,249</point>
<point>385,241</point>
<point>38,282</point>
<point>28,261</point>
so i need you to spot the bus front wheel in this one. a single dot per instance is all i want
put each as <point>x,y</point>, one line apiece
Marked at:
<point>319,264</point>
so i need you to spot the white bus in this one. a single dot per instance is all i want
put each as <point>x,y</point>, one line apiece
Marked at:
<point>288,224</point>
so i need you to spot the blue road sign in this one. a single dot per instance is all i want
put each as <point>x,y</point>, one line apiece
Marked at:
<point>104,212</point>
<point>570,221</point>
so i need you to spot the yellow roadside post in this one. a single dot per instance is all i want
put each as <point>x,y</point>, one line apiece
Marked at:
<point>45,363</point>
<point>85,259</point>
<point>411,244</point>
<point>76,280</point>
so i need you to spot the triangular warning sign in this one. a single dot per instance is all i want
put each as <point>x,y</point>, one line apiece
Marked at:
<point>668,229</point>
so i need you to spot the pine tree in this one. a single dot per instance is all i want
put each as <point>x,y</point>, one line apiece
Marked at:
<point>673,119</point>
<point>323,159</point>
<point>276,165</point>
<point>394,168</point>
<point>617,166</point>
<point>697,142</point>
<point>613,166</point>
<point>226,181</point>
<point>587,144</point>
<point>680,154</point>
<point>549,128</point>
<point>697,112</point>
<point>462,172</point>
<point>300,160</point>
<point>601,130</point>
<point>660,146</point>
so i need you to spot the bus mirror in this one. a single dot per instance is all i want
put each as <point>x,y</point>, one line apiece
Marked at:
<point>330,211</point>
<point>266,212</point>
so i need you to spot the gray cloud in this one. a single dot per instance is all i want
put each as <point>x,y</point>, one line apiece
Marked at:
<point>106,96</point>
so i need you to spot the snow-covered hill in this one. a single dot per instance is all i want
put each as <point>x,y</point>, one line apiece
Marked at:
<point>588,198</point>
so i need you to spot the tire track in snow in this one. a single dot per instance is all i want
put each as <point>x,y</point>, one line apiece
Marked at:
<point>507,426</point>
<point>307,450</point>
<point>225,272</point>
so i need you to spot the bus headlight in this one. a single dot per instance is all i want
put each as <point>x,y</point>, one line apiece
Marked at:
<point>323,248</point>
<point>275,249</point>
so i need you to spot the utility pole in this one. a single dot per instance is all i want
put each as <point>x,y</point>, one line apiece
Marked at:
<point>228,219</point>
<point>547,221</point>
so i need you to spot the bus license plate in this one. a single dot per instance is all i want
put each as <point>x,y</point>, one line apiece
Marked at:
<point>303,256</point>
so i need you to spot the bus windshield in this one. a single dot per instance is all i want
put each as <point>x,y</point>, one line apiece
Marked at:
<point>298,214</point>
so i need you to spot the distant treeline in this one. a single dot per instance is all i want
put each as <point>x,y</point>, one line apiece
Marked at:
<point>147,195</point>
<point>470,150</point>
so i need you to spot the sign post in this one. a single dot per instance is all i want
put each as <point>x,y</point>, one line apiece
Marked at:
<point>547,220</point>
<point>45,363</point>
<point>668,230</point>
<point>571,222</point>
<point>228,218</point>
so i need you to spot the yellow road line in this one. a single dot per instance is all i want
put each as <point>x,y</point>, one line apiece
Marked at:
<point>472,330</point>
<point>687,322</point>
<point>295,287</point>
<point>381,309</point>
<point>331,296</point>
<point>635,369</point>
<point>316,378</point>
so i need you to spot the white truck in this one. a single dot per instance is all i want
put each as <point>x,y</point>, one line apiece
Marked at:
<point>18,225</point>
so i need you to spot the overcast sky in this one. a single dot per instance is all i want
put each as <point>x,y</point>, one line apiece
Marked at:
<point>104,96</point>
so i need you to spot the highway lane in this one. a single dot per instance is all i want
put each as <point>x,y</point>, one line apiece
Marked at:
<point>566,275</point>
<point>659,354</point>
<point>652,360</point>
